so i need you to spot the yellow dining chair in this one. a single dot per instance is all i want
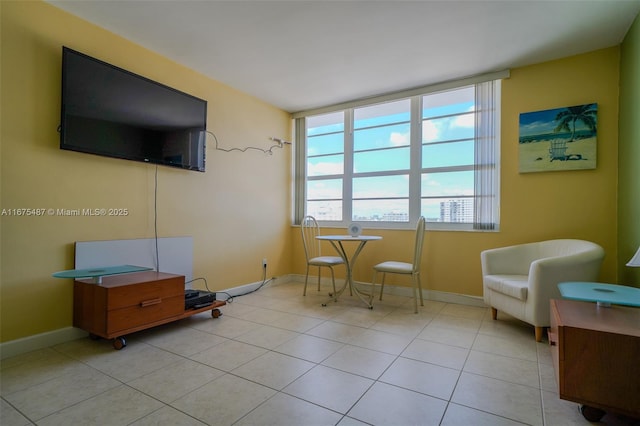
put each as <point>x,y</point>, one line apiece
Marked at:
<point>310,230</point>
<point>404,268</point>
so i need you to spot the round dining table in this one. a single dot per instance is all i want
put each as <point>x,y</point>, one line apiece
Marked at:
<point>338,242</point>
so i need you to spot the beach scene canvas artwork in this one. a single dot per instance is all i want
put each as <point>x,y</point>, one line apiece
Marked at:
<point>558,139</point>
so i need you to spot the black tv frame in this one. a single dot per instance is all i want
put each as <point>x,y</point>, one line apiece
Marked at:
<point>109,111</point>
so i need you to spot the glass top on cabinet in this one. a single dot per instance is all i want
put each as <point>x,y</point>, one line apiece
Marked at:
<point>604,294</point>
<point>96,273</point>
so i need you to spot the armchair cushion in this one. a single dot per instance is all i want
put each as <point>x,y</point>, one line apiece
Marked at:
<point>511,285</point>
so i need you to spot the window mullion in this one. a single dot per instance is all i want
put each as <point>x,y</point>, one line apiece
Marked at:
<point>300,170</point>
<point>416,159</point>
<point>347,183</point>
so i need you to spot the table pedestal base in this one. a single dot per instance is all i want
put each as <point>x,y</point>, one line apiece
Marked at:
<point>336,241</point>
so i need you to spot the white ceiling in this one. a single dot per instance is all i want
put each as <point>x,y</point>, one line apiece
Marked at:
<point>300,54</point>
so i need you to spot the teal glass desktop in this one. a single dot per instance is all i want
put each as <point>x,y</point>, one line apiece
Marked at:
<point>97,273</point>
<point>603,294</point>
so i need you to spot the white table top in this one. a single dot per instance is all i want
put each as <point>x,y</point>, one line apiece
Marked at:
<point>349,237</point>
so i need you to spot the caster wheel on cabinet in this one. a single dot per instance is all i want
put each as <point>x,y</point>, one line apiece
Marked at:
<point>591,413</point>
<point>215,313</point>
<point>119,343</point>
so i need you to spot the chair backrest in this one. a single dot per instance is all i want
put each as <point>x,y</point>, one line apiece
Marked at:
<point>310,230</point>
<point>558,149</point>
<point>417,253</point>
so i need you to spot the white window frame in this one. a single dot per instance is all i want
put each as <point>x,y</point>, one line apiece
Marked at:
<point>416,169</point>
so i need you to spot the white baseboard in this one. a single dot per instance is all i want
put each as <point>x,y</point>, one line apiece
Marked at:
<point>62,335</point>
<point>440,296</point>
<point>40,341</point>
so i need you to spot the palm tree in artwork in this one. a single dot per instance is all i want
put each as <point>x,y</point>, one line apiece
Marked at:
<point>568,117</point>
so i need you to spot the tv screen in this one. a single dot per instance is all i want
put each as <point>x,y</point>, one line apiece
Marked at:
<point>109,111</point>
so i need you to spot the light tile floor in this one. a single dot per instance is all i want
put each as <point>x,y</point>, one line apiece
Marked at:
<point>277,358</point>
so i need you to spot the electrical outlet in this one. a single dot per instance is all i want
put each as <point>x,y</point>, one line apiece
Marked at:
<point>264,262</point>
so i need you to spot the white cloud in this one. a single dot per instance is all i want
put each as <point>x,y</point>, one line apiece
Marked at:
<point>466,121</point>
<point>399,139</point>
<point>320,190</point>
<point>430,131</point>
<point>321,169</point>
<point>430,182</point>
<point>536,128</point>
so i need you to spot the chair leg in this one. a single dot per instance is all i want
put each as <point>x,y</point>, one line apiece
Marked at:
<point>539,333</point>
<point>373,287</point>
<point>382,284</point>
<point>319,274</point>
<point>494,313</point>
<point>306,279</point>
<point>417,288</point>
<point>333,281</point>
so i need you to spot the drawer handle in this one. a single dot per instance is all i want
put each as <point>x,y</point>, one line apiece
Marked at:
<point>151,302</point>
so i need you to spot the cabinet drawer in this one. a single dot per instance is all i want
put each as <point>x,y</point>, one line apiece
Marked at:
<point>135,295</point>
<point>145,312</point>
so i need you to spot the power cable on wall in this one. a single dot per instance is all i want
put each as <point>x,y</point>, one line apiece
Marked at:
<point>155,218</point>
<point>280,143</point>
<point>229,299</point>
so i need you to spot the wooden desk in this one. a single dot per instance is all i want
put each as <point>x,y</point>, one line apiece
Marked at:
<point>123,304</point>
<point>596,352</point>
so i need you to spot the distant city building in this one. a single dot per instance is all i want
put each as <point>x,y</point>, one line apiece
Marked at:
<point>334,213</point>
<point>395,217</point>
<point>457,210</point>
<point>326,213</point>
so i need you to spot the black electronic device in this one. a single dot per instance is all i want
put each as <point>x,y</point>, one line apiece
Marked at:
<point>112,112</point>
<point>188,294</point>
<point>194,299</point>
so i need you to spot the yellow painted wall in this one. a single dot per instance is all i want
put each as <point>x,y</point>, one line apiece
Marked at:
<point>534,206</point>
<point>629,156</point>
<point>236,212</point>
<point>576,204</point>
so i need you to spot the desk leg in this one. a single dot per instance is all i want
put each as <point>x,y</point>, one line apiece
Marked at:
<point>343,255</point>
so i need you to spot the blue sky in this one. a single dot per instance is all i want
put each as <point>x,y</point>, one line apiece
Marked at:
<point>542,122</point>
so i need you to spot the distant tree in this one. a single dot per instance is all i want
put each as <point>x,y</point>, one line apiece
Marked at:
<point>567,119</point>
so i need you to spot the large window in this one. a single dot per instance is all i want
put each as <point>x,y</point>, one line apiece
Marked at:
<point>385,164</point>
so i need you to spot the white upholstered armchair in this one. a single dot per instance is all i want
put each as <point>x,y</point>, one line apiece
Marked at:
<point>521,279</point>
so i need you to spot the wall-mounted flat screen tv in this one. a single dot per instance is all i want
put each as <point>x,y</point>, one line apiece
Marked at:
<point>112,112</point>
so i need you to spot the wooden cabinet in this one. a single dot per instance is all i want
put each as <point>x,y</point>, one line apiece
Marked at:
<point>596,352</point>
<point>127,303</point>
